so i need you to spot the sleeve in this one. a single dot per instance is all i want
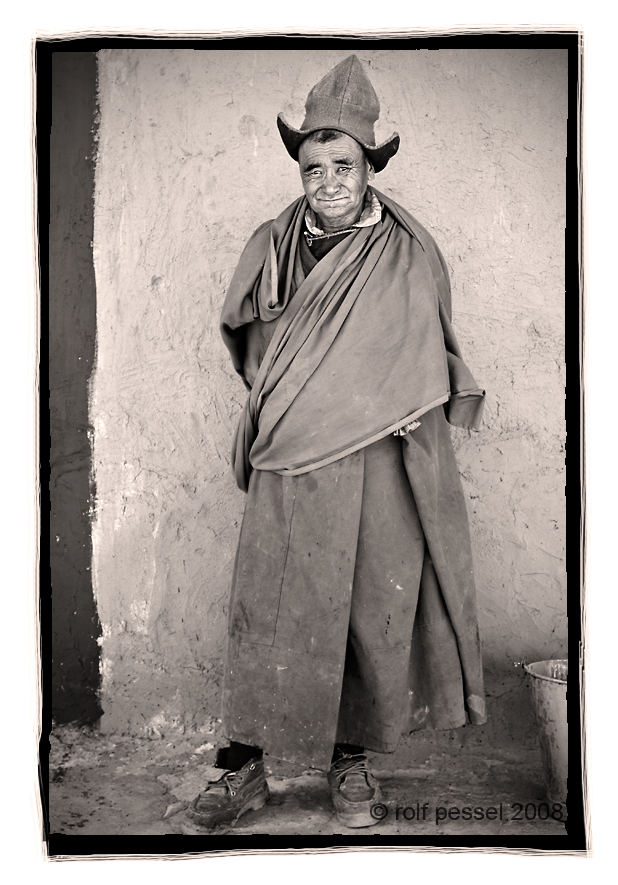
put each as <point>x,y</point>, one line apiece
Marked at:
<point>240,301</point>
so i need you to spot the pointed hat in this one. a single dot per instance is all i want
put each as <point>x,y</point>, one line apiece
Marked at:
<point>346,101</point>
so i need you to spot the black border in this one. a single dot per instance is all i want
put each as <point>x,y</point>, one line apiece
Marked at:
<point>64,847</point>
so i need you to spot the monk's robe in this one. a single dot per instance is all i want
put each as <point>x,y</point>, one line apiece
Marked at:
<point>353,615</point>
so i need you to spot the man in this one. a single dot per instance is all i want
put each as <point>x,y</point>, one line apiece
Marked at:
<point>352,618</point>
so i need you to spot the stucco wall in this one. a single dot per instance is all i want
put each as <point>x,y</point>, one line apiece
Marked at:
<point>190,162</point>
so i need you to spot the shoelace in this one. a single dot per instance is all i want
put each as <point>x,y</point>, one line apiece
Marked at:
<point>359,766</point>
<point>234,779</point>
<point>230,779</point>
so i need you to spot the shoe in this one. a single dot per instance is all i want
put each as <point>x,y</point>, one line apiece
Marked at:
<point>228,798</point>
<point>354,791</point>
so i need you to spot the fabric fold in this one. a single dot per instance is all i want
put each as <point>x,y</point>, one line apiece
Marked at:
<point>363,342</point>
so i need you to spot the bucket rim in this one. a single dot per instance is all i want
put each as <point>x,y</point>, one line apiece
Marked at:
<point>547,678</point>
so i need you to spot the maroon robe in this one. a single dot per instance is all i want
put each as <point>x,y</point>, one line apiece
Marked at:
<point>352,616</point>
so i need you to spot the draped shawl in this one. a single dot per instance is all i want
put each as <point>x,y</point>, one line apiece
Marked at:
<point>363,344</point>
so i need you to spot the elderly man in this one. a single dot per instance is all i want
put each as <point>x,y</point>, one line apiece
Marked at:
<point>353,618</point>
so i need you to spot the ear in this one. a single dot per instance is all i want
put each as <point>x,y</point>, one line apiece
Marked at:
<point>370,172</point>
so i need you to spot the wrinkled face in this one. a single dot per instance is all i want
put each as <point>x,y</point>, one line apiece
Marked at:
<point>334,177</point>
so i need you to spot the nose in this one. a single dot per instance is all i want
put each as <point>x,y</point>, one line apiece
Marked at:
<point>330,185</point>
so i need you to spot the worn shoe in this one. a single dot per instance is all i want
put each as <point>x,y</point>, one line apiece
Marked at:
<point>354,790</point>
<point>226,799</point>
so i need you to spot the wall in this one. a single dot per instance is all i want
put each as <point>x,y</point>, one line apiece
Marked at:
<point>190,163</point>
<point>72,318</point>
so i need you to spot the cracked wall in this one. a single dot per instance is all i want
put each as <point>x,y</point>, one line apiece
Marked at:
<point>190,162</point>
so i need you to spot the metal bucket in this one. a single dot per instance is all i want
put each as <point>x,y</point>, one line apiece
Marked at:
<point>548,686</point>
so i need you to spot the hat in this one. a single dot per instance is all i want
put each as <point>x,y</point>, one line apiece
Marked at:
<point>346,101</point>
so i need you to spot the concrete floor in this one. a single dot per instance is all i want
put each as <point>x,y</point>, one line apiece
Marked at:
<point>127,786</point>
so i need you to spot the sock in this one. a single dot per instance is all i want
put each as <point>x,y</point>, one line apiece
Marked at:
<point>236,755</point>
<point>348,749</point>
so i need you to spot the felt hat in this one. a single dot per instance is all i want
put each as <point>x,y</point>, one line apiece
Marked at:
<point>346,101</point>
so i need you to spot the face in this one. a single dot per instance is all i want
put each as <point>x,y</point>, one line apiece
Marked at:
<point>334,177</point>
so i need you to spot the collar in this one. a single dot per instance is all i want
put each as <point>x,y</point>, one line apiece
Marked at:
<point>371,214</point>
